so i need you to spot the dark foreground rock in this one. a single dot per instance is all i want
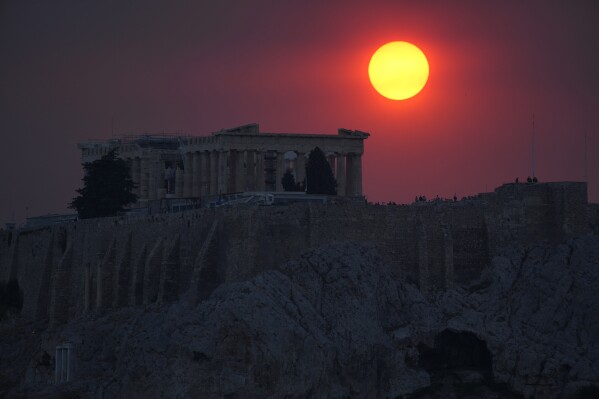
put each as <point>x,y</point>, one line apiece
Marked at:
<point>336,323</point>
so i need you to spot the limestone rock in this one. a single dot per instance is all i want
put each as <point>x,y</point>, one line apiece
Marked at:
<point>336,322</point>
<point>538,314</point>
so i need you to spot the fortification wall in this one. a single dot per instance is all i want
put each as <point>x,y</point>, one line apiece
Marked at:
<point>593,217</point>
<point>550,211</point>
<point>95,265</point>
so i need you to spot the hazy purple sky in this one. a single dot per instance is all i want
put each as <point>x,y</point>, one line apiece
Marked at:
<point>68,68</point>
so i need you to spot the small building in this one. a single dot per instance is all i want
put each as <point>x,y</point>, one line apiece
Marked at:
<point>229,161</point>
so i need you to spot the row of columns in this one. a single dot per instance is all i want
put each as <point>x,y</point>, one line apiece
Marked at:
<point>218,172</point>
<point>348,173</point>
<point>148,176</point>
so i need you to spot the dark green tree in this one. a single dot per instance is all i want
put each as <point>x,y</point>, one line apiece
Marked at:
<point>288,181</point>
<point>107,188</point>
<point>319,176</point>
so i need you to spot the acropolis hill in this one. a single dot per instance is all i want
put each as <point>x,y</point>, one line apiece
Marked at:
<point>69,270</point>
<point>493,295</point>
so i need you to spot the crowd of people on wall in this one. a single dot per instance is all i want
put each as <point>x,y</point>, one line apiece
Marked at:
<point>529,180</point>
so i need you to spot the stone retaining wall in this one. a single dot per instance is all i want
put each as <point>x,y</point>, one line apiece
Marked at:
<point>70,269</point>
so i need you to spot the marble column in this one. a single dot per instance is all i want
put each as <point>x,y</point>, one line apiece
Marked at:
<point>187,172</point>
<point>300,168</point>
<point>152,187</point>
<point>357,172</point>
<point>340,174</point>
<point>331,160</point>
<point>195,175</point>
<point>260,185</point>
<point>231,171</point>
<point>144,178</point>
<point>240,171</point>
<point>179,181</point>
<point>349,174</point>
<point>280,171</point>
<point>136,175</point>
<point>222,171</point>
<point>204,173</point>
<point>160,183</point>
<point>250,167</point>
<point>213,172</point>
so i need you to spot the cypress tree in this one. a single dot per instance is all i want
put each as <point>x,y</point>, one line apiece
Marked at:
<point>319,176</point>
<point>107,188</point>
<point>288,182</point>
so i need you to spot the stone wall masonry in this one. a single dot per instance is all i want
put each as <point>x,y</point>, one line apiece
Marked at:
<point>152,272</point>
<point>39,306</point>
<point>101,264</point>
<point>61,289</point>
<point>527,212</point>
<point>593,217</point>
<point>123,276</point>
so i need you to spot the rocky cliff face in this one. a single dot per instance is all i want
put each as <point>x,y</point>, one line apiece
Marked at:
<point>68,270</point>
<point>336,323</point>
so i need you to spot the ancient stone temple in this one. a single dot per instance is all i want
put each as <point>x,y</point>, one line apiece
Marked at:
<point>229,161</point>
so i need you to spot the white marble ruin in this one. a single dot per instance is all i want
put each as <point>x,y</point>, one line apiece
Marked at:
<point>228,161</point>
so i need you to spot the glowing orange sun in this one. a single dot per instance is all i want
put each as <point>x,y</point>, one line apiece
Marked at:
<point>398,70</point>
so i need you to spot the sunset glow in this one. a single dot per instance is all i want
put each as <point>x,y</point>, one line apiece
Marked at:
<point>398,70</point>
<point>154,66</point>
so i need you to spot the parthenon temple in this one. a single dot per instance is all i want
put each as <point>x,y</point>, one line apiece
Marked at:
<point>228,161</point>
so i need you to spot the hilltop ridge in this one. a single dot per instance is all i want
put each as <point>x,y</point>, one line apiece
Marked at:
<point>347,300</point>
<point>336,322</point>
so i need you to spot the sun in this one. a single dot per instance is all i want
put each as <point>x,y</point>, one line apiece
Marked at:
<point>398,70</point>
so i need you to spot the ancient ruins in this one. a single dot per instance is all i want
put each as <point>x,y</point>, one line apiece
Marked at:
<point>201,296</point>
<point>69,269</point>
<point>348,276</point>
<point>229,161</point>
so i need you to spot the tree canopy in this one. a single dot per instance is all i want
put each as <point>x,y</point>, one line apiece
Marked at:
<point>107,188</point>
<point>319,176</point>
<point>288,181</point>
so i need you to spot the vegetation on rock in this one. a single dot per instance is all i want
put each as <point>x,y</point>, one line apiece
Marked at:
<point>289,183</point>
<point>319,176</point>
<point>107,188</point>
